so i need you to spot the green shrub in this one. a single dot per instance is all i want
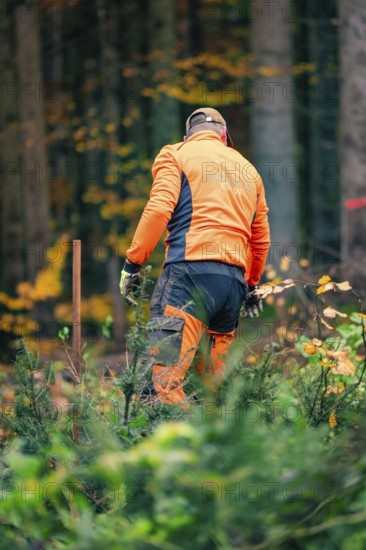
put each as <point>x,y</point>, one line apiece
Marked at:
<point>259,465</point>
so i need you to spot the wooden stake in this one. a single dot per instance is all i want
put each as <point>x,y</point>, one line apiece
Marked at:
<point>76,287</point>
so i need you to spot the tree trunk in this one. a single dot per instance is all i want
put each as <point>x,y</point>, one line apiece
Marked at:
<point>165,111</point>
<point>352,139</point>
<point>60,186</point>
<point>36,188</point>
<point>135,107</point>
<point>322,158</point>
<point>272,124</point>
<point>11,190</point>
<point>111,77</point>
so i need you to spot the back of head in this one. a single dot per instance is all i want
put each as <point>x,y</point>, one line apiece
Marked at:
<point>207,118</point>
<point>198,124</point>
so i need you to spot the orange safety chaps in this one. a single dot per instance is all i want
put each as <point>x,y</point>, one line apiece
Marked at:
<point>169,380</point>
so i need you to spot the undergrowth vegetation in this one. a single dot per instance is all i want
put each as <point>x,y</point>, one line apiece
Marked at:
<point>274,460</point>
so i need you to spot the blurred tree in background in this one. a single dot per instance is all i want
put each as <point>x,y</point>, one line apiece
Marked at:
<point>272,117</point>
<point>91,90</point>
<point>352,136</point>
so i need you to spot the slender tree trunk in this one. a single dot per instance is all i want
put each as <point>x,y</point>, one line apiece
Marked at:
<point>11,190</point>
<point>352,138</point>
<point>60,188</point>
<point>323,182</point>
<point>36,188</point>
<point>184,37</point>
<point>165,111</point>
<point>272,124</point>
<point>134,106</point>
<point>111,77</point>
<point>110,63</point>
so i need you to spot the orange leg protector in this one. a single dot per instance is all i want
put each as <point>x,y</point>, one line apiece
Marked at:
<point>219,344</point>
<point>168,378</point>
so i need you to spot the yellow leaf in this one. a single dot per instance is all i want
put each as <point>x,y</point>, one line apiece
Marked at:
<point>324,279</point>
<point>80,147</point>
<point>332,419</point>
<point>318,343</point>
<point>325,323</point>
<point>344,369</point>
<point>336,390</point>
<point>265,290</point>
<point>362,315</point>
<point>274,287</point>
<point>127,121</point>
<point>340,314</point>
<point>285,263</point>
<point>309,348</point>
<point>331,313</point>
<point>343,364</point>
<point>24,289</point>
<point>148,92</point>
<point>271,274</point>
<point>325,288</point>
<point>266,285</point>
<point>110,179</point>
<point>110,127</point>
<point>125,150</point>
<point>344,286</point>
<point>80,133</point>
<point>269,72</point>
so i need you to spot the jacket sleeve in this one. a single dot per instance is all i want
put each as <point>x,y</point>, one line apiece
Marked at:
<point>164,196</point>
<point>259,243</point>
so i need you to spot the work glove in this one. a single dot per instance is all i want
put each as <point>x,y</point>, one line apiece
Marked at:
<point>253,304</point>
<point>130,283</point>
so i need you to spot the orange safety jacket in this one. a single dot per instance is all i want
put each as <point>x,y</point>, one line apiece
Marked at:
<point>211,200</point>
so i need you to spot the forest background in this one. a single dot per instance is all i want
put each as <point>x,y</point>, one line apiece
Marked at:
<point>90,91</point>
